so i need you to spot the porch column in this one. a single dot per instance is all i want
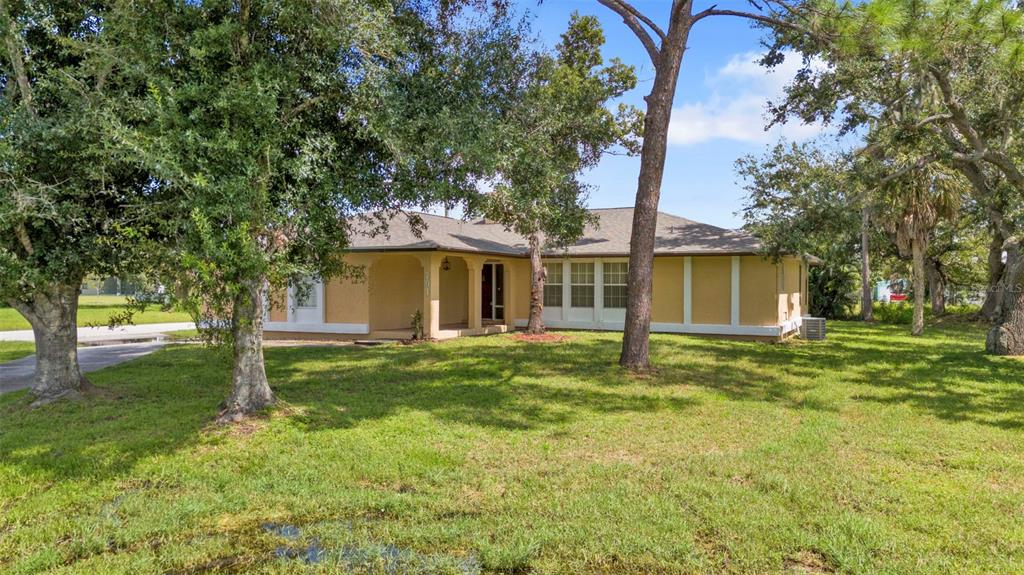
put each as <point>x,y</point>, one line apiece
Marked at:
<point>510,294</point>
<point>687,290</point>
<point>473,270</point>
<point>431,294</point>
<point>734,312</point>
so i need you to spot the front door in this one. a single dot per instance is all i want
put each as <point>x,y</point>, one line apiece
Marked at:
<point>492,296</point>
<point>307,303</point>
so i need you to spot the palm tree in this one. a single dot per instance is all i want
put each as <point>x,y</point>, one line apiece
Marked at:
<point>917,198</point>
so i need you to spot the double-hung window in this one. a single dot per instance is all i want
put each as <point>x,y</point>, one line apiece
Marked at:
<point>615,274</point>
<point>553,285</point>
<point>582,284</point>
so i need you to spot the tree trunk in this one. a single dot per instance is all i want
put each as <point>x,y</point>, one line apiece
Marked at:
<point>867,311</point>
<point>996,267</point>
<point>919,288</point>
<point>250,391</point>
<point>537,278</point>
<point>635,354</point>
<point>1007,335</point>
<point>936,286</point>
<point>53,313</point>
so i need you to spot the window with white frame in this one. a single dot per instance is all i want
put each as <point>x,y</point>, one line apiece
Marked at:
<point>615,274</point>
<point>553,285</point>
<point>582,284</point>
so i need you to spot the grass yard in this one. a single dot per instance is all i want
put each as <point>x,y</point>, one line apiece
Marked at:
<point>870,453</point>
<point>12,350</point>
<point>96,310</point>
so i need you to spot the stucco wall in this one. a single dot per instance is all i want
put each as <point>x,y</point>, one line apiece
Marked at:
<point>518,305</point>
<point>454,292</point>
<point>758,282</point>
<point>712,285</point>
<point>789,300</point>
<point>396,291</point>
<point>667,297</point>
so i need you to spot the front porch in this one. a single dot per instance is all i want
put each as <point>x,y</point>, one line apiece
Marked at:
<point>457,295</point>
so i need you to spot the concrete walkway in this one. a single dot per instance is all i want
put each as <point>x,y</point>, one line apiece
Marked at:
<point>104,333</point>
<point>18,374</point>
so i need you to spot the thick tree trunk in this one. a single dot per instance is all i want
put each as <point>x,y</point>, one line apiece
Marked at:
<point>250,391</point>
<point>996,268</point>
<point>53,314</point>
<point>936,286</point>
<point>867,311</point>
<point>635,354</point>
<point>919,288</point>
<point>537,278</point>
<point>1007,335</point>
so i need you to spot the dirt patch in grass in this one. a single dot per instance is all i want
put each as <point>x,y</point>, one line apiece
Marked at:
<point>807,561</point>
<point>541,337</point>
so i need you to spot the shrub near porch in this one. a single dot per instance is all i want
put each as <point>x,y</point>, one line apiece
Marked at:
<point>872,452</point>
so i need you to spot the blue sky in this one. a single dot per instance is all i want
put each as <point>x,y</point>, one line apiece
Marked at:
<point>718,114</point>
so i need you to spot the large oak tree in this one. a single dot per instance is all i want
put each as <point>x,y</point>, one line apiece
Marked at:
<point>276,122</point>
<point>70,186</point>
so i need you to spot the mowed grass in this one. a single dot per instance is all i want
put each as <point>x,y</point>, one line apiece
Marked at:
<point>97,310</point>
<point>873,452</point>
<point>12,350</point>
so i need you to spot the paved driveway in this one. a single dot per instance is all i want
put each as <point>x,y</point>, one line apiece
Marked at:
<point>17,374</point>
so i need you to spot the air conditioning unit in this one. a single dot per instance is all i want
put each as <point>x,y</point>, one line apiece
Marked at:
<point>812,328</point>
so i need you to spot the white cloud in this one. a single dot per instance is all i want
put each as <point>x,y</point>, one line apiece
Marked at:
<point>736,108</point>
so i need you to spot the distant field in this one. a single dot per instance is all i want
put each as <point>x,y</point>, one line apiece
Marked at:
<point>95,310</point>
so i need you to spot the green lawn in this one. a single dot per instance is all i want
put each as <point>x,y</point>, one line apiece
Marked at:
<point>12,350</point>
<point>96,310</point>
<point>870,453</point>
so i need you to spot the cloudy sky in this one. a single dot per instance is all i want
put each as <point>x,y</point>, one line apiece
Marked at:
<point>719,112</point>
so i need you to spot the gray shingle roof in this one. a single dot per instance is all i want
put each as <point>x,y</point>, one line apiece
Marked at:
<point>675,236</point>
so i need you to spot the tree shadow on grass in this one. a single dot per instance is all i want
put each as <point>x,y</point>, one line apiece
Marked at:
<point>166,401</point>
<point>944,374</point>
<point>491,382</point>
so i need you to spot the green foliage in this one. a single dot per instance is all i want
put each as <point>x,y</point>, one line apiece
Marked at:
<point>275,123</point>
<point>833,289</point>
<point>417,324</point>
<point>560,125</point>
<point>802,200</point>
<point>70,186</point>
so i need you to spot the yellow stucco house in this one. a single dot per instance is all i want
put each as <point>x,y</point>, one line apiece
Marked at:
<point>473,277</point>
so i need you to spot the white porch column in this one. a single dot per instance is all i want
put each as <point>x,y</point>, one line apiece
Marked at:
<point>566,288</point>
<point>735,309</point>
<point>688,290</point>
<point>473,269</point>
<point>431,294</point>
<point>598,291</point>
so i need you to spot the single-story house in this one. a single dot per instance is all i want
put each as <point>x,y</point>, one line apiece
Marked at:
<point>473,277</point>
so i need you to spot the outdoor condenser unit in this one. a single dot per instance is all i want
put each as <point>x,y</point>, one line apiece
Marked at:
<point>813,328</point>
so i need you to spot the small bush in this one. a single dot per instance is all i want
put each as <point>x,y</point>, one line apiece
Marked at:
<point>900,313</point>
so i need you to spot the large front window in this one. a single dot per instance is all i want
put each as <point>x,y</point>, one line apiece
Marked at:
<point>553,285</point>
<point>615,274</point>
<point>582,285</point>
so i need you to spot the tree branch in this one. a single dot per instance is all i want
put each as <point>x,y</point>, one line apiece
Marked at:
<point>769,20</point>
<point>14,54</point>
<point>620,8</point>
<point>641,17</point>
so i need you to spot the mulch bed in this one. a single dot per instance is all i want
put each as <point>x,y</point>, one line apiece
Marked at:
<point>541,337</point>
